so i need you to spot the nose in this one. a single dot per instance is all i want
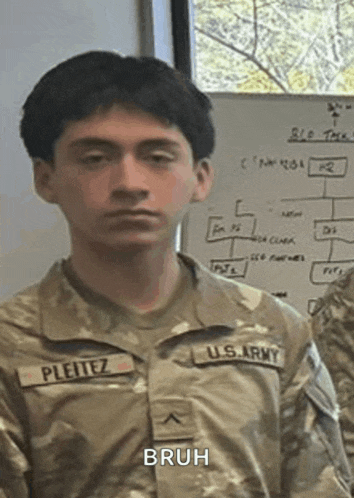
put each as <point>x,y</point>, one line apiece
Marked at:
<point>128,179</point>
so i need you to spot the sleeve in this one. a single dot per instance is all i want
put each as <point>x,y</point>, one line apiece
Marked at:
<point>14,464</point>
<point>314,464</point>
<point>333,331</point>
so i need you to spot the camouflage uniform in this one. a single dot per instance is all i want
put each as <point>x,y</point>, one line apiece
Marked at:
<point>333,330</point>
<point>235,372</point>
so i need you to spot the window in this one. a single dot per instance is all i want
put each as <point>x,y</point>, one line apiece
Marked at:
<point>274,46</point>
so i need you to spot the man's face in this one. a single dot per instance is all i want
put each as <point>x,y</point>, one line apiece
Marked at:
<point>123,179</point>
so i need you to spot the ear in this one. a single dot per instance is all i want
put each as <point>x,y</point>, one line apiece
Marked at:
<point>204,173</point>
<point>44,172</point>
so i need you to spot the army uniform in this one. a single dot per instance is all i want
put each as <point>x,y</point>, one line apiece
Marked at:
<point>85,388</point>
<point>333,330</point>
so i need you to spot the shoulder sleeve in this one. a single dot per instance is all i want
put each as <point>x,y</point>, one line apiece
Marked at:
<point>314,464</point>
<point>14,462</point>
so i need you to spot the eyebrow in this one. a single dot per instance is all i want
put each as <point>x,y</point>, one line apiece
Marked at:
<point>150,143</point>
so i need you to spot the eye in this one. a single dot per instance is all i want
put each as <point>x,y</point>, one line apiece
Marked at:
<point>94,160</point>
<point>160,158</point>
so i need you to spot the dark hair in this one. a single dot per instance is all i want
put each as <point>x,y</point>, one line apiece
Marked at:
<point>75,88</point>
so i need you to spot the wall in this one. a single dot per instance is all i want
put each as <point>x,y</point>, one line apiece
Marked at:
<point>36,35</point>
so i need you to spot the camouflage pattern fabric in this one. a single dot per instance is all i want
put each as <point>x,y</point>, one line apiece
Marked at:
<point>333,331</point>
<point>238,375</point>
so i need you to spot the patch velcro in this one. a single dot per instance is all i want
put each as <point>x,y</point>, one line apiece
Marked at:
<point>261,352</point>
<point>80,368</point>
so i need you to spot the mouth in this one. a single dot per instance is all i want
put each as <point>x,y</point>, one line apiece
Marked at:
<point>135,220</point>
<point>134,213</point>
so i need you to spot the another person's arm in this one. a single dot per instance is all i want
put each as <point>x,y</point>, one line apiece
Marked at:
<point>314,461</point>
<point>333,331</point>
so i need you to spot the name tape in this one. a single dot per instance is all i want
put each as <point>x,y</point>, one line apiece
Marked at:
<point>258,352</point>
<point>80,368</point>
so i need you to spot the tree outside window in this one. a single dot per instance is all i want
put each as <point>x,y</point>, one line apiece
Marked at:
<point>275,46</point>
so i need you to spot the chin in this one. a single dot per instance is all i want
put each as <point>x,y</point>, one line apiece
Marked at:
<point>133,244</point>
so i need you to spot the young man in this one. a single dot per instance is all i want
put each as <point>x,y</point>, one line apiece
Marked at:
<point>131,371</point>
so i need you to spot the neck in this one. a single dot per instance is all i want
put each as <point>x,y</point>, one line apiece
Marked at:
<point>141,280</point>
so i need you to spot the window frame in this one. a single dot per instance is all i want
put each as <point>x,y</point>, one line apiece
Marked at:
<point>156,30</point>
<point>166,33</point>
<point>183,37</point>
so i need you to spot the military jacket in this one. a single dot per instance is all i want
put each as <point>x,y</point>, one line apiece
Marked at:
<point>234,395</point>
<point>333,329</point>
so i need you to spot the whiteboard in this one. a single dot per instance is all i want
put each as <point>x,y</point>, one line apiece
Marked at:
<point>281,212</point>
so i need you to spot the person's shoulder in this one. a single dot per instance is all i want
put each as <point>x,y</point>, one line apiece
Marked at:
<point>257,314</point>
<point>344,282</point>
<point>19,321</point>
<point>339,295</point>
<point>252,298</point>
<point>22,309</point>
<point>256,305</point>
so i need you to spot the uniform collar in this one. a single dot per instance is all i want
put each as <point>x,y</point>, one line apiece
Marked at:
<point>66,316</point>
